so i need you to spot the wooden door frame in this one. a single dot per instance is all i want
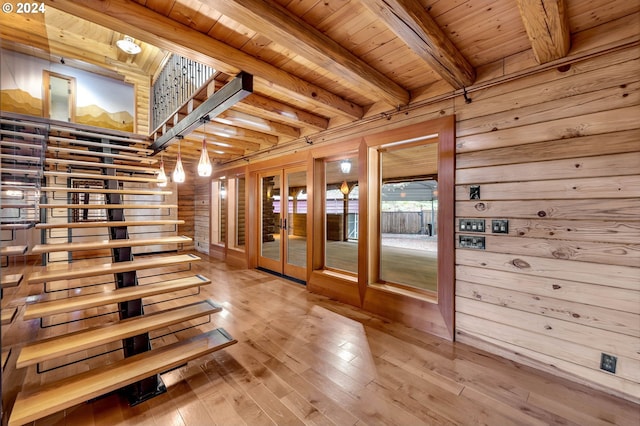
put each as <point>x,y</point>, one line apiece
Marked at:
<point>433,315</point>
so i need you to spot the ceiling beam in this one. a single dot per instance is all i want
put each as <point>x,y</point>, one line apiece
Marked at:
<point>288,30</point>
<point>547,25</point>
<point>409,20</point>
<point>151,27</point>
<point>230,94</point>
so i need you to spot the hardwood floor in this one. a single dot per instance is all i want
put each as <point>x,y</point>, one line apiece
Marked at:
<point>304,359</point>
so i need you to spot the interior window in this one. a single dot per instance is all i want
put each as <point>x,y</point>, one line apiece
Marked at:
<point>408,215</point>
<point>341,214</point>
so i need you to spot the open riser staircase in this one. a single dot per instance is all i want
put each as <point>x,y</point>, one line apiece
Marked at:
<point>113,286</point>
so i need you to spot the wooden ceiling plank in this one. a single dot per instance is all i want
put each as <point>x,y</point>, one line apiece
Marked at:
<point>248,121</point>
<point>224,132</point>
<point>287,29</point>
<point>547,25</point>
<point>145,24</point>
<point>277,111</point>
<point>410,21</point>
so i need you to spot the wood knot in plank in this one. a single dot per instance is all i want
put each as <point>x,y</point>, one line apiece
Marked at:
<point>480,207</point>
<point>542,213</point>
<point>520,264</point>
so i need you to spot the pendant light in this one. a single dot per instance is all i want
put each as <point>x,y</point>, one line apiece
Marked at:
<point>162,176</point>
<point>204,165</point>
<point>178,172</point>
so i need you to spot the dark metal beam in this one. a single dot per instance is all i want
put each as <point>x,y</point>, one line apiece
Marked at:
<point>231,93</point>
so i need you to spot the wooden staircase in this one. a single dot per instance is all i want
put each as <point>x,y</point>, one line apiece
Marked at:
<point>100,215</point>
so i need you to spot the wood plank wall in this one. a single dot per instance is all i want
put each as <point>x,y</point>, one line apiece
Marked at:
<point>187,204</point>
<point>202,222</point>
<point>558,155</point>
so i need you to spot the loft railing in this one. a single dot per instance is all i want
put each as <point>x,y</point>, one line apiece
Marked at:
<point>177,82</point>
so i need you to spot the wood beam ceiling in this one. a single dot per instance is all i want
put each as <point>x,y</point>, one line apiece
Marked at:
<point>409,20</point>
<point>547,25</point>
<point>288,30</point>
<point>144,24</point>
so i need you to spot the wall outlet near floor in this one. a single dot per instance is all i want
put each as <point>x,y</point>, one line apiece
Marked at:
<point>608,363</point>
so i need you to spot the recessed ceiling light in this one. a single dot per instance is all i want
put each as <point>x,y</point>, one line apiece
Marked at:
<point>129,46</point>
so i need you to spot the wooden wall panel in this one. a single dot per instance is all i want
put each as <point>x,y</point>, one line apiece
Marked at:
<point>202,209</point>
<point>187,204</point>
<point>558,155</point>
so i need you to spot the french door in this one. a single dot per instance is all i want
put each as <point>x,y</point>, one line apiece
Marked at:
<point>283,222</point>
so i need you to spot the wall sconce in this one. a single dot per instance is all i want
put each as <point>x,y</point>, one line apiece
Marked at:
<point>223,191</point>
<point>345,166</point>
<point>178,173</point>
<point>204,165</point>
<point>344,188</point>
<point>162,176</point>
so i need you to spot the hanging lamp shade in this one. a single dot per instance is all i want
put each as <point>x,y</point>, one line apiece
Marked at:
<point>204,165</point>
<point>344,188</point>
<point>162,176</point>
<point>178,173</point>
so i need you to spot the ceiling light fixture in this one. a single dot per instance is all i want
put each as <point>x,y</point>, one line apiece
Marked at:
<point>178,173</point>
<point>345,166</point>
<point>204,165</point>
<point>129,46</point>
<point>162,176</point>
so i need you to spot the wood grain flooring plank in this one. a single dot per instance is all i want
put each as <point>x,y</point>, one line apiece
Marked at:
<point>304,359</point>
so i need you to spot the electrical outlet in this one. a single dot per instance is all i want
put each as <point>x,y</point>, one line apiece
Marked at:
<point>474,192</point>
<point>500,226</point>
<point>469,241</point>
<point>471,225</point>
<point>608,363</point>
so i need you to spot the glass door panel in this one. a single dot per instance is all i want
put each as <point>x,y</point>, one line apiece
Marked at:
<point>283,222</point>
<point>341,215</point>
<point>295,223</point>
<point>270,218</point>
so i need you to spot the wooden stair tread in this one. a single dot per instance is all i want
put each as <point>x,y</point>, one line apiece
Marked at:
<point>15,226</point>
<point>43,350</point>
<point>20,143</point>
<point>133,158</point>
<point>21,134</point>
<point>19,172</point>
<point>99,135</point>
<point>7,315</point>
<point>108,206</point>
<point>104,224</point>
<point>13,250</point>
<point>106,191</point>
<point>97,165</point>
<point>20,123</point>
<point>77,303</point>
<point>11,280</point>
<point>57,396</point>
<point>91,245</point>
<point>18,206</point>
<point>69,271</point>
<point>22,158</point>
<point>59,139</point>
<point>96,176</point>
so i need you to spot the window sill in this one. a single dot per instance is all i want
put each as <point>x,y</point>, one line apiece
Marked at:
<point>405,292</point>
